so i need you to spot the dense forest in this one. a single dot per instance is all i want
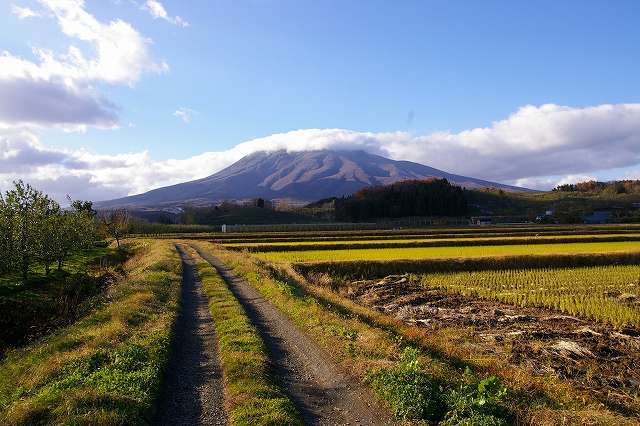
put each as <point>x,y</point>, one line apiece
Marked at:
<point>435,197</point>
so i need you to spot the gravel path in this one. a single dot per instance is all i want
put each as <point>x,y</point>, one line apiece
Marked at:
<point>322,393</point>
<point>193,387</point>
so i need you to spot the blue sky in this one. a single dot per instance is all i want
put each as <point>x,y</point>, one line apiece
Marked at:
<point>247,70</point>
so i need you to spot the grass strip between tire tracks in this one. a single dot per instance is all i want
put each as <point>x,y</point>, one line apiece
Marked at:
<point>251,396</point>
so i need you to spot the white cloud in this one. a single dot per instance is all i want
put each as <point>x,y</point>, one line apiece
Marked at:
<point>157,11</point>
<point>58,90</point>
<point>547,182</point>
<point>185,114</point>
<point>538,147</point>
<point>23,12</point>
<point>122,53</point>
<point>534,141</point>
<point>633,174</point>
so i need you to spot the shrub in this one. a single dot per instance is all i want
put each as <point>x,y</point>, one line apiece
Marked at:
<point>410,392</point>
<point>477,404</point>
<point>415,395</point>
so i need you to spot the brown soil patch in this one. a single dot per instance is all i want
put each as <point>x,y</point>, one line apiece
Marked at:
<point>592,356</point>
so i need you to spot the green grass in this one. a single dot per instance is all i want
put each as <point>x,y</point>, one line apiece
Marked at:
<point>413,394</point>
<point>606,293</point>
<point>43,302</point>
<point>106,368</point>
<point>77,263</point>
<point>251,395</point>
<point>447,252</point>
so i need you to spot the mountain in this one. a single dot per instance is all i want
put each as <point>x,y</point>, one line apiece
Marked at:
<point>304,176</point>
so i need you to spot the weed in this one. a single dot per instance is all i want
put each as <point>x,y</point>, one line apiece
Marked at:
<point>415,395</point>
<point>410,392</point>
<point>477,404</point>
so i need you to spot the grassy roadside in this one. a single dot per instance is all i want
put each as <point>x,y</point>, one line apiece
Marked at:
<point>251,396</point>
<point>43,303</point>
<point>373,348</point>
<point>107,367</point>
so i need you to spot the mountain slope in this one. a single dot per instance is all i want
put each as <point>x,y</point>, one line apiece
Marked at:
<point>307,175</point>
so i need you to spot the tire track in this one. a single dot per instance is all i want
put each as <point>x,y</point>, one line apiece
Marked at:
<point>322,393</point>
<point>193,390</point>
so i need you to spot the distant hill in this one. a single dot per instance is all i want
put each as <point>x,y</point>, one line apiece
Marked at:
<point>303,176</point>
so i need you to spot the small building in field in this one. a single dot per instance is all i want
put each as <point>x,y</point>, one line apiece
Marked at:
<point>481,220</point>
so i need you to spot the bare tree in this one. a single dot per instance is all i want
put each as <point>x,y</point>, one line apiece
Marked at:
<point>115,223</point>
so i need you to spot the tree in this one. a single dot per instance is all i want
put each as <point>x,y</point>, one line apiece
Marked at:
<point>7,231</point>
<point>29,209</point>
<point>33,228</point>
<point>49,229</point>
<point>74,232</point>
<point>115,223</point>
<point>82,207</point>
<point>434,197</point>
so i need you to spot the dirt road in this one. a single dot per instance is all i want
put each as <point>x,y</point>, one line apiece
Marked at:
<point>193,388</point>
<point>322,393</point>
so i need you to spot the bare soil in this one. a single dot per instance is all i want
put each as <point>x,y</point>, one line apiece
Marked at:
<point>323,394</point>
<point>193,392</point>
<point>591,355</point>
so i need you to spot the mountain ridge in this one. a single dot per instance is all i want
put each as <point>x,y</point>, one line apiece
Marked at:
<point>303,176</point>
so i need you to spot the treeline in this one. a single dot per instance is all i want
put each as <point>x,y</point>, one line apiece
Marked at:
<point>592,186</point>
<point>194,215</point>
<point>35,230</point>
<point>435,197</point>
